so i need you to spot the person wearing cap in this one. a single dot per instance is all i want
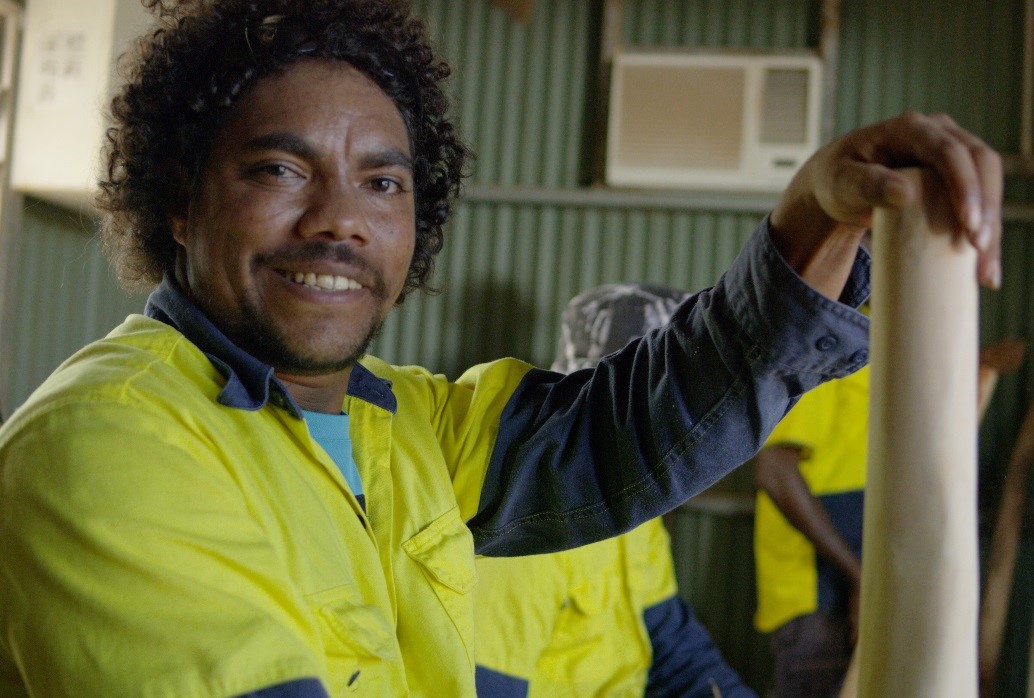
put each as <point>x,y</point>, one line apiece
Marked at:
<point>605,618</point>
<point>226,495</point>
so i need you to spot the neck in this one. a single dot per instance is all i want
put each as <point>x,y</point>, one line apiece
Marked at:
<point>324,393</point>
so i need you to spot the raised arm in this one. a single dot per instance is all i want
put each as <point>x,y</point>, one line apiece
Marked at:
<point>661,420</point>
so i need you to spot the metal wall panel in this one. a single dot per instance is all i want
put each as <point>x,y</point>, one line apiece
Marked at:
<point>520,90</point>
<point>510,269</point>
<point>730,23</point>
<point>60,295</point>
<point>963,58</point>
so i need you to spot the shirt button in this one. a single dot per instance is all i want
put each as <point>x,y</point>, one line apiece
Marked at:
<point>860,356</point>
<point>827,343</point>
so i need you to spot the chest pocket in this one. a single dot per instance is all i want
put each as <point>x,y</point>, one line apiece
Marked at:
<point>593,650</point>
<point>445,553</point>
<point>359,644</point>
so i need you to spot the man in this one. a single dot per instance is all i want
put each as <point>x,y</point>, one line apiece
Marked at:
<point>175,519</point>
<point>605,618</point>
<point>808,530</point>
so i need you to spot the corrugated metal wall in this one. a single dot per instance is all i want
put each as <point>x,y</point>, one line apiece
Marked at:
<point>961,57</point>
<point>524,95</point>
<point>520,90</point>
<point>59,296</point>
<point>511,268</point>
<point>740,23</point>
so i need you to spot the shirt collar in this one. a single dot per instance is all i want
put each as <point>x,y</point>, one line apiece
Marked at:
<point>250,383</point>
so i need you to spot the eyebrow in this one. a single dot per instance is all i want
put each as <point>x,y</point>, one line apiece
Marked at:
<point>287,142</point>
<point>387,157</point>
<point>290,143</point>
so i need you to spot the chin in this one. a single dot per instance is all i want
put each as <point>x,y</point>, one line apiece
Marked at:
<point>313,360</point>
<point>317,366</point>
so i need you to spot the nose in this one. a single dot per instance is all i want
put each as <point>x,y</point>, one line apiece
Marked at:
<point>334,210</point>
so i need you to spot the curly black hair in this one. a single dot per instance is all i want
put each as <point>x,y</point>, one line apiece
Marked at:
<point>183,80</point>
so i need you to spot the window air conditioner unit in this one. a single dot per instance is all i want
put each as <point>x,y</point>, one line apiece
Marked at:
<point>66,79</point>
<point>712,121</point>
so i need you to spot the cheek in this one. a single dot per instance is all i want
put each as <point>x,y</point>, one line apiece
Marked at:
<point>407,247</point>
<point>402,237</point>
<point>216,256</point>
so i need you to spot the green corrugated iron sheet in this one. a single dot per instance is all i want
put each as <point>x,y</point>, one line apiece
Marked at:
<point>710,23</point>
<point>60,295</point>
<point>963,58</point>
<point>510,269</point>
<point>520,89</point>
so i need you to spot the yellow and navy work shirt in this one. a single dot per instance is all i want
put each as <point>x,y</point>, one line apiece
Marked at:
<point>829,426</point>
<point>600,620</point>
<point>168,527</point>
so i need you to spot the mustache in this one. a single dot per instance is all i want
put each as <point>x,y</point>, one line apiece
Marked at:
<point>319,251</point>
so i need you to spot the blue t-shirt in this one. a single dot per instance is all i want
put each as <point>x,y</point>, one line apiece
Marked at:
<point>331,432</point>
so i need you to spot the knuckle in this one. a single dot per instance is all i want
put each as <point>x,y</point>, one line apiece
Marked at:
<point>949,148</point>
<point>987,157</point>
<point>914,118</point>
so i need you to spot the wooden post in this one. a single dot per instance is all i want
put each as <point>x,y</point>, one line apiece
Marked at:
<point>919,577</point>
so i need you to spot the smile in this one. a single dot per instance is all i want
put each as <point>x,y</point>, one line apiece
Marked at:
<point>323,282</point>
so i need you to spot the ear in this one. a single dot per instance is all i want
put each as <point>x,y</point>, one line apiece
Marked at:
<point>178,225</point>
<point>178,210</point>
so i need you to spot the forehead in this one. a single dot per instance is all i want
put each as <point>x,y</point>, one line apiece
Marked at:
<point>319,99</point>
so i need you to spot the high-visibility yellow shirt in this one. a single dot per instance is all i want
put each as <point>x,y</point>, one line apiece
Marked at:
<point>601,620</point>
<point>571,623</point>
<point>211,550</point>
<point>829,425</point>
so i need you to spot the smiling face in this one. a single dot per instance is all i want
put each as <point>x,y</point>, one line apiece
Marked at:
<point>299,237</point>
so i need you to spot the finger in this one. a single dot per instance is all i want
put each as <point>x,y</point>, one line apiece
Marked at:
<point>858,187</point>
<point>921,140</point>
<point>972,173</point>
<point>989,171</point>
<point>939,142</point>
<point>987,237</point>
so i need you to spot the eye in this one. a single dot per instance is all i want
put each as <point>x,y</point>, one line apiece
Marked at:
<point>274,171</point>
<point>386,185</point>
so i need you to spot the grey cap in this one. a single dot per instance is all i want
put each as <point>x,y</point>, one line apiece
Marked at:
<point>604,319</point>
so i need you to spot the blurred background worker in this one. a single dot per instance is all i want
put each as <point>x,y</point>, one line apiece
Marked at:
<point>604,619</point>
<point>808,526</point>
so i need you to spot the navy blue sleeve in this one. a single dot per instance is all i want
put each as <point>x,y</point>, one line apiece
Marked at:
<point>302,688</point>
<point>686,662</point>
<point>495,684</point>
<point>595,453</point>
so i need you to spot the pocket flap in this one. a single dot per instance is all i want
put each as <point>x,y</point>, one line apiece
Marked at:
<point>360,626</point>
<point>446,550</point>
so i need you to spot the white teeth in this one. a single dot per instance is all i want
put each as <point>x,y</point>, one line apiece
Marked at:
<point>324,282</point>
